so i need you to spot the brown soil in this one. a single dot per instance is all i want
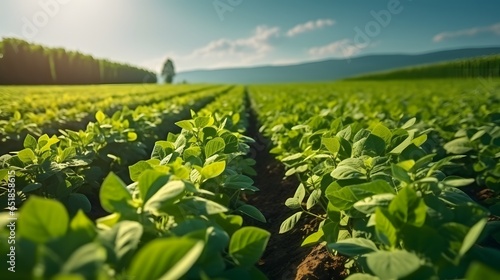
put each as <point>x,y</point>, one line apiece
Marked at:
<point>320,265</point>
<point>284,258</point>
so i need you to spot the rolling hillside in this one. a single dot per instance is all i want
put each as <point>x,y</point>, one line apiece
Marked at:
<point>327,70</point>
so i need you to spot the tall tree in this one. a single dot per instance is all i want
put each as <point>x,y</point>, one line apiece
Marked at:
<point>25,63</point>
<point>168,71</point>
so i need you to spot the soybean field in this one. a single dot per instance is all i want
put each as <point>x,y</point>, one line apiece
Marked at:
<point>355,179</point>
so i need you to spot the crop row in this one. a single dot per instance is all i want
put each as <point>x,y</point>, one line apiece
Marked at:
<point>382,167</point>
<point>180,216</point>
<point>35,111</point>
<point>391,171</point>
<point>73,164</point>
<point>37,99</point>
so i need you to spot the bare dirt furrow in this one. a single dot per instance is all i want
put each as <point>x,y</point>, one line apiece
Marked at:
<point>283,258</point>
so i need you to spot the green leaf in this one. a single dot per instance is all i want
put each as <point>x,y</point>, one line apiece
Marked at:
<point>332,232</point>
<point>86,260</point>
<point>408,208</point>
<point>472,236</point>
<point>150,181</point>
<point>345,149</point>
<point>230,223</point>
<point>162,149</point>
<point>214,146</point>
<point>300,193</point>
<point>203,121</point>
<point>424,240</point>
<point>454,234</point>
<point>232,143</point>
<point>100,116</point>
<point>202,206</point>
<point>477,135</point>
<point>4,174</point>
<point>458,146</point>
<point>345,133</point>
<point>292,203</point>
<point>82,227</point>
<point>409,123</point>
<point>399,173</point>
<point>240,181</point>
<point>480,271</point>
<point>371,203</point>
<point>173,257</point>
<point>455,196</point>
<point>362,276</point>
<point>292,158</point>
<point>332,144</point>
<point>136,170</point>
<point>17,115</point>
<point>114,194</point>
<point>349,168</point>
<point>213,169</point>
<point>384,228</point>
<point>392,265</point>
<point>313,198</point>
<point>122,239</point>
<point>313,238</point>
<point>53,140</point>
<point>30,142</point>
<point>416,165</point>
<point>131,136</point>
<point>77,201</point>
<point>67,153</point>
<point>247,245</point>
<point>420,140</point>
<point>383,132</point>
<point>353,247</point>
<point>26,155</point>
<point>186,124</point>
<point>166,195</point>
<point>42,220</point>
<point>290,222</point>
<point>374,146</point>
<point>457,182</point>
<point>251,211</point>
<point>344,198</point>
<point>443,162</point>
<point>192,152</point>
<point>235,118</point>
<point>407,165</point>
<point>412,152</point>
<point>403,145</point>
<point>31,187</point>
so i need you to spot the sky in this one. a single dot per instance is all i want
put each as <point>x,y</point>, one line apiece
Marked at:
<point>209,34</point>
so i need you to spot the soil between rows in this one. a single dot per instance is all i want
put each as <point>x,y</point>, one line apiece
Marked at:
<point>284,258</point>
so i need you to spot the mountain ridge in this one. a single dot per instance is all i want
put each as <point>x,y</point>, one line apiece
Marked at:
<point>327,70</point>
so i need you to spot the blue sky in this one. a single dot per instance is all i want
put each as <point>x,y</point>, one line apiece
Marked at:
<point>232,33</point>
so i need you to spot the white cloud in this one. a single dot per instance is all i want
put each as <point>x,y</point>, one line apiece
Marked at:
<point>248,49</point>
<point>470,32</point>
<point>343,48</point>
<point>224,52</point>
<point>309,26</point>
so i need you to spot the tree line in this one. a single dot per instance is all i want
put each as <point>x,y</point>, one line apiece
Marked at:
<point>486,67</point>
<point>23,63</point>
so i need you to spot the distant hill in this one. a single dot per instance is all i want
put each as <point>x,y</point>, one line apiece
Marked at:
<point>333,69</point>
<point>483,66</point>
